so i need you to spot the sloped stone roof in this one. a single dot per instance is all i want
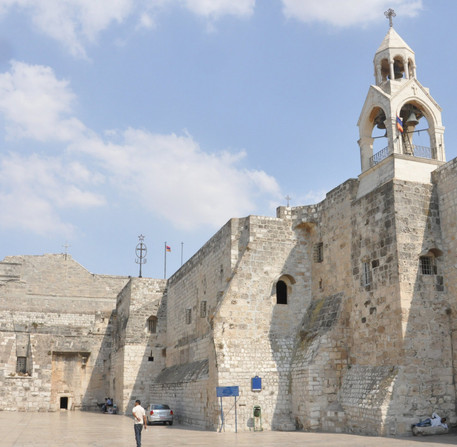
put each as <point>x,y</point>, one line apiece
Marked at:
<point>393,40</point>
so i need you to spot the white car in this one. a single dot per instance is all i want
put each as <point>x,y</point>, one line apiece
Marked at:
<point>159,413</point>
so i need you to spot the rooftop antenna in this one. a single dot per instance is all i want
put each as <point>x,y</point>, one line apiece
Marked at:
<point>288,199</point>
<point>141,251</point>
<point>390,13</point>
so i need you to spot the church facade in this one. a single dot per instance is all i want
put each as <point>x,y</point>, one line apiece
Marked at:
<point>343,312</point>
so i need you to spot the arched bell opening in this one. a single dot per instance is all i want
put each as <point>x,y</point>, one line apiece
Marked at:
<point>399,68</point>
<point>385,70</point>
<point>378,131</point>
<point>411,69</point>
<point>373,140</point>
<point>415,131</point>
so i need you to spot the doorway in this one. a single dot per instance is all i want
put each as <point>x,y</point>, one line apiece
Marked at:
<point>64,403</point>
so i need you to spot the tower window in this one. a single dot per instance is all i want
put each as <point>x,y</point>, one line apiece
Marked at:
<point>21,365</point>
<point>427,265</point>
<point>152,325</point>
<point>319,252</point>
<point>366,274</point>
<point>203,309</point>
<point>281,292</point>
<point>188,316</point>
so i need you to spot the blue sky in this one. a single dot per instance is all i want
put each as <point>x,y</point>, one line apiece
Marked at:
<point>168,117</point>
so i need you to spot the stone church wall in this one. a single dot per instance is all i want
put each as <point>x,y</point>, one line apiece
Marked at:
<point>425,381</point>
<point>139,345</point>
<point>445,179</point>
<point>253,334</point>
<point>57,316</point>
<point>321,344</point>
<point>194,295</point>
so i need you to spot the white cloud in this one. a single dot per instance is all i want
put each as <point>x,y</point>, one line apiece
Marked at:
<point>72,22</point>
<point>174,178</point>
<point>169,175</point>
<point>217,8</point>
<point>34,190</point>
<point>348,12</point>
<point>76,23</point>
<point>37,105</point>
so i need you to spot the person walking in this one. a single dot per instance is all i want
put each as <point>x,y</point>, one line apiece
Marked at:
<point>139,416</point>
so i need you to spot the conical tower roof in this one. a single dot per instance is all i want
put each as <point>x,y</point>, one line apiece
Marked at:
<point>393,40</point>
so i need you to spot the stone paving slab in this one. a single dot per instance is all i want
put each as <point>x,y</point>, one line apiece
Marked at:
<point>83,429</point>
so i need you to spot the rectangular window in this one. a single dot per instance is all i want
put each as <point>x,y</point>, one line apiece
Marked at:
<point>152,325</point>
<point>188,316</point>
<point>21,365</point>
<point>366,274</point>
<point>319,252</point>
<point>427,265</point>
<point>203,309</point>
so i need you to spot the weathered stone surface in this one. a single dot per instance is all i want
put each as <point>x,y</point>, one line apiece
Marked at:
<point>428,431</point>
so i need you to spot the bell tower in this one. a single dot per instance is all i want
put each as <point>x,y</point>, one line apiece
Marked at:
<point>399,105</point>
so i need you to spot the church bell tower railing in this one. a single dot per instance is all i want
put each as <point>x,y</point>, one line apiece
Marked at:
<point>379,156</point>
<point>417,151</point>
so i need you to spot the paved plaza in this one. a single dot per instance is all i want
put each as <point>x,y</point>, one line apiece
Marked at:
<point>83,429</point>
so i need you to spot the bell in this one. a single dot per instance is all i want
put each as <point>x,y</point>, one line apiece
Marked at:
<point>412,120</point>
<point>379,120</point>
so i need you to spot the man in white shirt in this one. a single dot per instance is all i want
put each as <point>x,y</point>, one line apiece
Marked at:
<point>139,416</point>
<point>434,421</point>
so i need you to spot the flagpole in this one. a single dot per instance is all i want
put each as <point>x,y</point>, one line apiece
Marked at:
<point>182,245</point>
<point>165,260</point>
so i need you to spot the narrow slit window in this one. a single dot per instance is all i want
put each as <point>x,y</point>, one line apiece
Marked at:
<point>366,274</point>
<point>152,325</point>
<point>319,252</point>
<point>281,292</point>
<point>203,309</point>
<point>188,316</point>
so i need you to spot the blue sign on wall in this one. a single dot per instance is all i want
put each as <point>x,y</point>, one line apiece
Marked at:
<point>256,383</point>
<point>227,391</point>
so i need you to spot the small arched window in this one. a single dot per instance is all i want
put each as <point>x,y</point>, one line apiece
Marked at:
<point>281,292</point>
<point>152,324</point>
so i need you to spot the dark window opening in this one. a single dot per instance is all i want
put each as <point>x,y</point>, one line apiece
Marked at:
<point>427,265</point>
<point>188,316</point>
<point>319,252</point>
<point>281,292</point>
<point>150,359</point>
<point>152,325</point>
<point>64,403</point>
<point>203,309</point>
<point>366,274</point>
<point>21,365</point>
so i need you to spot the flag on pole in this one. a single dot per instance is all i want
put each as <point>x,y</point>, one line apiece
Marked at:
<point>168,248</point>
<point>399,124</point>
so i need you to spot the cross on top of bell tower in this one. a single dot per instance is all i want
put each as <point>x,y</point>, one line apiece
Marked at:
<point>390,13</point>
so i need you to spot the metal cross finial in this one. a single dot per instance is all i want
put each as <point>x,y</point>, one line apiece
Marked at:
<point>141,251</point>
<point>390,13</point>
<point>287,198</point>
<point>66,246</point>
